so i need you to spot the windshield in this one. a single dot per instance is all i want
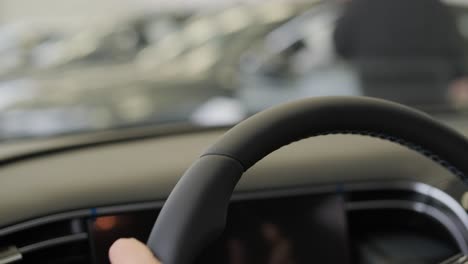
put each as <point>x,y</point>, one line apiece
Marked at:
<point>78,66</point>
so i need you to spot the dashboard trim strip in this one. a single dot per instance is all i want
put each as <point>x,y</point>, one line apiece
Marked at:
<point>53,242</point>
<point>419,207</point>
<point>416,187</point>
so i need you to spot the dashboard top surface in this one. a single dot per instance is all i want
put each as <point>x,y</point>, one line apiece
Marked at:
<point>146,170</point>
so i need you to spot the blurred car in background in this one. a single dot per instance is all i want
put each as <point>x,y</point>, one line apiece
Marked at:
<point>152,87</point>
<point>212,68</point>
<point>111,43</point>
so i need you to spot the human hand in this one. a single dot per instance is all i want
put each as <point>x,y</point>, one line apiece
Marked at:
<point>131,251</point>
<point>458,93</point>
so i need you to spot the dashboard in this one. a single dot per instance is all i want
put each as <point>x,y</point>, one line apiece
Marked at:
<point>351,223</point>
<point>350,199</point>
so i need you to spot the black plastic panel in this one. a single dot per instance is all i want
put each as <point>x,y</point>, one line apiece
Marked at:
<point>258,231</point>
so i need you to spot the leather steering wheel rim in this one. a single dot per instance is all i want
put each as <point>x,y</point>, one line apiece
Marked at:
<point>195,211</point>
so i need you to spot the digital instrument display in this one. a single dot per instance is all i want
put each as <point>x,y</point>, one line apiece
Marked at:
<point>293,230</point>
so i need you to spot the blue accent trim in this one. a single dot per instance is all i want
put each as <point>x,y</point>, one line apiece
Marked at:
<point>93,212</point>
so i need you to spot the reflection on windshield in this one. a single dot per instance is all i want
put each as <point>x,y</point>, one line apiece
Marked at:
<point>217,65</point>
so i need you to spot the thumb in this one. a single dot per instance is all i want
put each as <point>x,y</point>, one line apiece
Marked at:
<point>130,251</point>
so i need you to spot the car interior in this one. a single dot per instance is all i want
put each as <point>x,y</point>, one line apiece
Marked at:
<point>237,132</point>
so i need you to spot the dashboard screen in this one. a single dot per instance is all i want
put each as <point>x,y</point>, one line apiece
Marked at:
<point>293,230</point>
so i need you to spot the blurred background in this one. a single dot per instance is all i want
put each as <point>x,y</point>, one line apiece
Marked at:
<point>76,66</point>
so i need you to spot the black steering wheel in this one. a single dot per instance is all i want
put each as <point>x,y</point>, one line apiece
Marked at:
<point>195,212</point>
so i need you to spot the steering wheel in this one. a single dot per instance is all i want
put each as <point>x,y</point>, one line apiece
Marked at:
<point>195,211</point>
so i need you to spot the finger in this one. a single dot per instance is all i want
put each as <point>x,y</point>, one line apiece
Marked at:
<point>130,251</point>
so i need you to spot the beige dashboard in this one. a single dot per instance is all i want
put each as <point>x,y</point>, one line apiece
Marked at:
<point>146,170</point>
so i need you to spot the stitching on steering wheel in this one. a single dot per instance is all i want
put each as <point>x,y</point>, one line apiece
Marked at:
<point>427,153</point>
<point>421,150</point>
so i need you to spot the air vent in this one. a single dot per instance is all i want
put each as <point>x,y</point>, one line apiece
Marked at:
<point>63,242</point>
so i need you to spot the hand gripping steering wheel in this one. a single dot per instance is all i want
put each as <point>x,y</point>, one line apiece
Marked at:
<point>195,212</point>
